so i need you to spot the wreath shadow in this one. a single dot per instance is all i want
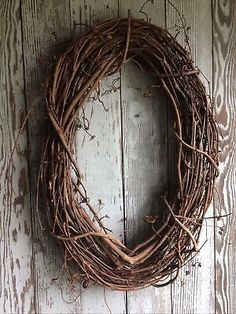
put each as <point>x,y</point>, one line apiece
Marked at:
<point>45,248</point>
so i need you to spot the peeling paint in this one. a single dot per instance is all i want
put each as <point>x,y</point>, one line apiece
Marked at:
<point>27,228</point>
<point>14,235</point>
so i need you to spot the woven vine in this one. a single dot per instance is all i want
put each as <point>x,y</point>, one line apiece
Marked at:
<point>98,255</point>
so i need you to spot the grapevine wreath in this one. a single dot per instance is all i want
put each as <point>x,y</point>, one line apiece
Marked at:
<point>97,254</point>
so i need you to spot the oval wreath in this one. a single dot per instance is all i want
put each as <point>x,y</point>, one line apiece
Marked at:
<point>98,255</point>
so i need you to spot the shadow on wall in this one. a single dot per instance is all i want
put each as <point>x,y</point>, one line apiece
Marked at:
<point>150,205</point>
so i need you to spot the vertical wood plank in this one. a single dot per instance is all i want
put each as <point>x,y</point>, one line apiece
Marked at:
<point>46,27</point>
<point>224,56</point>
<point>144,156</point>
<point>100,158</point>
<point>16,267</point>
<point>194,291</point>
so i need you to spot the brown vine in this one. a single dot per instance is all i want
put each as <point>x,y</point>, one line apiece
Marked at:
<point>98,255</point>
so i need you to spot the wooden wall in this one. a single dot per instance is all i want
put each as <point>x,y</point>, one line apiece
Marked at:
<point>126,165</point>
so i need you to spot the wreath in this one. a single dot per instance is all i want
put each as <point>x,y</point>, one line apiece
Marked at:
<point>98,255</point>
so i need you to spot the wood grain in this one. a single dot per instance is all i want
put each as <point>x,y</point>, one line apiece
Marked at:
<point>133,145</point>
<point>145,143</point>
<point>16,263</point>
<point>46,28</point>
<point>194,291</point>
<point>224,56</point>
<point>100,158</point>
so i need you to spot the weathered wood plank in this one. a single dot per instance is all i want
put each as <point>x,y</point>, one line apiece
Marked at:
<point>145,164</point>
<point>16,263</point>
<point>224,56</point>
<point>46,26</point>
<point>100,159</point>
<point>194,291</point>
